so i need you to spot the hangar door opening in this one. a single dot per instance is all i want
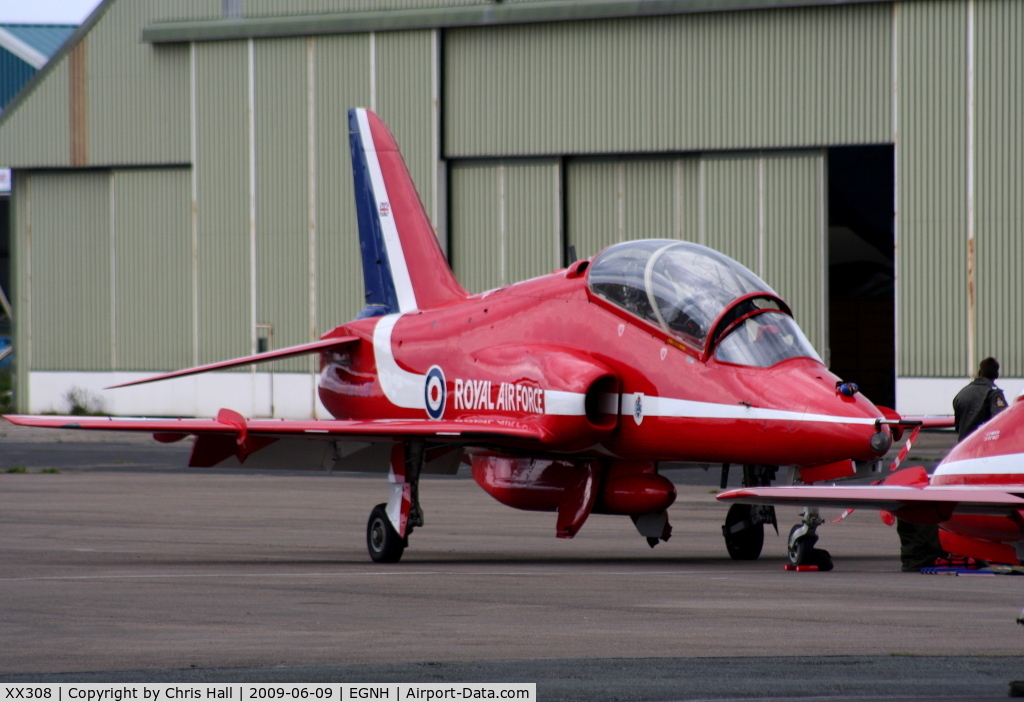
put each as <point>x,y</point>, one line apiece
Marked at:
<point>862,276</point>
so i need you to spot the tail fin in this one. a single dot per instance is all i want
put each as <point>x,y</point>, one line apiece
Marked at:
<point>403,266</point>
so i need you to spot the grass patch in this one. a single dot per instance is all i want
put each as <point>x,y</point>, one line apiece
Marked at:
<point>82,403</point>
<point>50,470</point>
<point>17,469</point>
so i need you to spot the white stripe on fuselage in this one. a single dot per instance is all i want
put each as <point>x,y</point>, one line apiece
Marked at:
<point>1003,464</point>
<point>392,242</point>
<point>405,389</point>
<point>654,406</point>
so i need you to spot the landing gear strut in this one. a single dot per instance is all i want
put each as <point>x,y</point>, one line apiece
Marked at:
<point>744,524</point>
<point>803,537</point>
<point>387,531</point>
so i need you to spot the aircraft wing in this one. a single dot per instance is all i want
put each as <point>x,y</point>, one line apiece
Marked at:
<point>897,499</point>
<point>359,445</point>
<point>231,422</point>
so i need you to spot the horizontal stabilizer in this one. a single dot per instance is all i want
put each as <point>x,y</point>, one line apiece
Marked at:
<point>276,355</point>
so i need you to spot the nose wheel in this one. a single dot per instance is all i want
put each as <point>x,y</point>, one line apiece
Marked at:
<point>802,539</point>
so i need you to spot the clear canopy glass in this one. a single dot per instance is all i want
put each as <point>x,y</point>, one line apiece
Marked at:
<point>683,288</point>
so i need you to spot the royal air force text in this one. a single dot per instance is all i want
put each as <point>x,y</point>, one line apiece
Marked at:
<point>485,395</point>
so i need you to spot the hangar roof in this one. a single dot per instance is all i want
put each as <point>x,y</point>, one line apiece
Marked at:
<point>24,49</point>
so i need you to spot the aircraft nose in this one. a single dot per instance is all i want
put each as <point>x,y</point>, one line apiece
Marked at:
<point>839,418</point>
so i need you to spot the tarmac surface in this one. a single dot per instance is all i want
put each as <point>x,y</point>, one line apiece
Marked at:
<point>127,567</point>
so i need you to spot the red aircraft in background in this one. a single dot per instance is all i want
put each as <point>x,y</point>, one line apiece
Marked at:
<point>565,392</point>
<point>975,495</point>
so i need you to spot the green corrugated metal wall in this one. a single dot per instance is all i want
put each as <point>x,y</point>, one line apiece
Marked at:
<point>646,94</point>
<point>999,218</point>
<point>40,136</point>
<point>342,66</point>
<point>223,250</point>
<point>506,222</point>
<point>632,85</point>
<point>931,190</point>
<point>152,268</point>
<point>70,276</point>
<point>282,193</point>
<point>122,71</point>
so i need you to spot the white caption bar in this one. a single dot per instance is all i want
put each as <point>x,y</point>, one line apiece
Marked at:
<point>269,692</point>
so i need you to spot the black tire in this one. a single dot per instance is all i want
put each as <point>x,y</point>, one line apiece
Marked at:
<point>801,551</point>
<point>382,541</point>
<point>743,543</point>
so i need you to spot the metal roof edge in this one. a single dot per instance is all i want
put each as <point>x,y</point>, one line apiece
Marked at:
<point>450,17</point>
<point>22,50</point>
<point>55,60</point>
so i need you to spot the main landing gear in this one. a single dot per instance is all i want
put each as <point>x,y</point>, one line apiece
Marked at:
<point>744,524</point>
<point>391,522</point>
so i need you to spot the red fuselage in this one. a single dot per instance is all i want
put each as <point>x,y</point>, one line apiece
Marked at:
<point>549,352</point>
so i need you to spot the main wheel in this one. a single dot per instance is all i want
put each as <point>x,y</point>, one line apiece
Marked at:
<point>744,537</point>
<point>382,541</point>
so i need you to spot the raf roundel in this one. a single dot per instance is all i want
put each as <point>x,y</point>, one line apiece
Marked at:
<point>435,392</point>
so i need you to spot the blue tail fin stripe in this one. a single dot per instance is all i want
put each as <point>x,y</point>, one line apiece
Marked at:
<point>385,270</point>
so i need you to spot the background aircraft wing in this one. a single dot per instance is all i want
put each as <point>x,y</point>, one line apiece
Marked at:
<point>898,499</point>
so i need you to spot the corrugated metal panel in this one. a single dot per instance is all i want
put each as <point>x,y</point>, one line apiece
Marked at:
<point>282,194</point>
<point>533,221</point>
<point>999,141</point>
<point>593,204</point>
<point>405,102</point>
<point>931,190</point>
<point>154,82</point>
<point>342,78</point>
<point>731,216</point>
<point>794,238</point>
<point>71,299</point>
<point>475,217</point>
<point>612,201</point>
<point>152,269</point>
<point>704,81</point>
<point>19,293</point>
<point>273,8</point>
<point>222,181</point>
<point>171,10</point>
<point>506,223</point>
<point>38,133</point>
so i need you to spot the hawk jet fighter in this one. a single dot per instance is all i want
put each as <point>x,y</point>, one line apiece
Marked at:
<point>565,393</point>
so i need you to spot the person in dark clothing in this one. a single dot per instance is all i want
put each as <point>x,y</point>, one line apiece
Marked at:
<point>979,401</point>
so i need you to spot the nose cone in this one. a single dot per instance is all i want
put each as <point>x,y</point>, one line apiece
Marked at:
<point>832,425</point>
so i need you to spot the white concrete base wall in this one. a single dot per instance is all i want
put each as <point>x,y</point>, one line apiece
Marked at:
<point>287,395</point>
<point>923,396</point>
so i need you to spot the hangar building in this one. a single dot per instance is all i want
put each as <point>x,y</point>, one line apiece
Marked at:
<point>182,194</point>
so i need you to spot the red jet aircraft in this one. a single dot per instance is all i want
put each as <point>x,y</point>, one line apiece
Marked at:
<point>975,495</point>
<point>564,392</point>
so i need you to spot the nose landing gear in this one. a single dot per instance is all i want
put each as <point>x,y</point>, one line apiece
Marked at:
<point>803,537</point>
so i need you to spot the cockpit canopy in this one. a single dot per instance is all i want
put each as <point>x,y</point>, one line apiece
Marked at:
<point>685,288</point>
